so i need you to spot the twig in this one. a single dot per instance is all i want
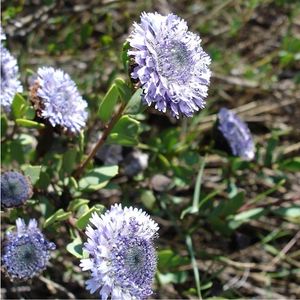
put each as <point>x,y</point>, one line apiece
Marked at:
<point>237,282</point>
<point>101,141</point>
<point>248,206</point>
<point>286,248</point>
<point>72,222</point>
<point>291,148</point>
<point>53,285</point>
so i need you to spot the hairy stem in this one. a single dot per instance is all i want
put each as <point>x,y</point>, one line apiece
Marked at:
<point>108,128</point>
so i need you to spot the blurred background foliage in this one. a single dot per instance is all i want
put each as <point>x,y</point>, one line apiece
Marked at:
<point>228,228</point>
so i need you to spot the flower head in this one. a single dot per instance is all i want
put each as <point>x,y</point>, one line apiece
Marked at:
<point>122,256</point>
<point>56,99</point>
<point>15,189</point>
<point>170,64</point>
<point>10,83</point>
<point>236,133</point>
<point>26,251</point>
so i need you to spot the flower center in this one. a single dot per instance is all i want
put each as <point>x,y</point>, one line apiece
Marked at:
<point>174,61</point>
<point>134,259</point>
<point>26,254</point>
<point>134,265</point>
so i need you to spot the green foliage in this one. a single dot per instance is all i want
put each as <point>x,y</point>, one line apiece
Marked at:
<point>133,106</point>
<point>98,178</point>
<point>33,172</point>
<point>125,132</point>
<point>29,123</point>
<point>19,106</point>
<point>84,218</point>
<point>290,52</point>
<point>75,247</point>
<point>77,203</point>
<point>292,164</point>
<point>58,216</point>
<point>108,103</point>
<point>221,216</point>
<point>123,89</point>
<point>291,213</point>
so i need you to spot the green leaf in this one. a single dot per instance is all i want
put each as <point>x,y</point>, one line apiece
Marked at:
<point>98,178</point>
<point>176,277</point>
<point>19,106</point>
<point>165,162</point>
<point>68,161</point>
<point>29,113</point>
<point>123,89</point>
<point>84,208</point>
<point>72,184</point>
<point>46,206</point>
<point>125,132</point>
<point>249,214</point>
<point>17,151</point>
<point>292,164</point>
<point>75,204</point>
<point>33,172</point>
<point>272,144</point>
<point>208,197</point>
<point>84,219</point>
<point>168,260</point>
<point>134,104</point>
<point>44,180</point>
<point>239,219</point>
<point>196,198</point>
<point>29,123</point>
<point>291,213</point>
<point>148,199</point>
<point>108,103</point>
<point>58,216</point>
<point>233,204</point>
<point>75,247</point>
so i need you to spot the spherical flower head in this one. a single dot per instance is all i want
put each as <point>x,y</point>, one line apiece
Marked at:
<point>170,64</point>
<point>56,99</point>
<point>10,83</point>
<point>236,133</point>
<point>122,257</point>
<point>26,251</point>
<point>15,189</point>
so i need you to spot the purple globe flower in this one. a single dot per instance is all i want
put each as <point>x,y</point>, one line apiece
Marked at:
<point>122,257</point>
<point>236,133</point>
<point>170,64</point>
<point>26,251</point>
<point>15,189</point>
<point>10,83</point>
<point>56,99</point>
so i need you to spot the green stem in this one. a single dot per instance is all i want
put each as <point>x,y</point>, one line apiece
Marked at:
<point>189,244</point>
<point>78,172</point>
